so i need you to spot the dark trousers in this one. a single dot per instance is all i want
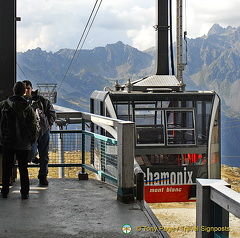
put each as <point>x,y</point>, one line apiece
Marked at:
<point>41,146</point>
<point>8,165</point>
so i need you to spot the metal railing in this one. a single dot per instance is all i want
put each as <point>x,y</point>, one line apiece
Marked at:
<point>103,156</point>
<point>215,200</point>
<point>109,158</point>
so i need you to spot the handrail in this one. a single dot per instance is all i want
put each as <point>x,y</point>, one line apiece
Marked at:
<point>106,123</point>
<point>215,200</point>
<point>123,132</point>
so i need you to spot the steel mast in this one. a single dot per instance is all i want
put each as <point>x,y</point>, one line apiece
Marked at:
<point>179,36</point>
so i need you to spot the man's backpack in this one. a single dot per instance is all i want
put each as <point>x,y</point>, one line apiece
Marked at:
<point>11,128</point>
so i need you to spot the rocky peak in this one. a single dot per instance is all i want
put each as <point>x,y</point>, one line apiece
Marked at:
<point>216,29</point>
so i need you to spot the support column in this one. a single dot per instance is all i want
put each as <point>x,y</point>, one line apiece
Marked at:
<point>7,47</point>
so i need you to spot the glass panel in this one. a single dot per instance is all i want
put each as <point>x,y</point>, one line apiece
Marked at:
<point>163,159</point>
<point>163,104</point>
<point>160,117</point>
<point>181,137</point>
<point>208,108</point>
<point>199,107</point>
<point>180,119</point>
<point>149,126</point>
<point>176,159</point>
<point>203,115</point>
<point>144,117</point>
<point>150,135</point>
<point>189,104</point>
<point>124,111</point>
<point>145,104</point>
<point>97,107</point>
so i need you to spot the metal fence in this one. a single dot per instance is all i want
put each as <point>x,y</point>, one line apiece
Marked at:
<point>101,156</point>
<point>74,148</point>
<point>64,151</point>
<point>77,148</point>
<point>109,158</point>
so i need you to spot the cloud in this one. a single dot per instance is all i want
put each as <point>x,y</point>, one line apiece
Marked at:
<point>57,24</point>
<point>203,14</point>
<point>143,38</point>
<point>52,25</point>
<point>135,24</point>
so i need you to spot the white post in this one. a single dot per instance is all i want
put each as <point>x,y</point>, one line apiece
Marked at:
<point>60,153</point>
<point>126,153</point>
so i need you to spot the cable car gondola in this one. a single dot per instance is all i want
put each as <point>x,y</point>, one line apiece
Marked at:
<point>177,134</point>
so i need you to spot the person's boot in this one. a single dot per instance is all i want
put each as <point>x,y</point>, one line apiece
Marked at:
<point>36,160</point>
<point>43,180</point>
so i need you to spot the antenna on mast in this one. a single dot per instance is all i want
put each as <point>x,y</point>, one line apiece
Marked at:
<point>179,35</point>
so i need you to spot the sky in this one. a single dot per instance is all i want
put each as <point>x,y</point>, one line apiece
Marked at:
<point>57,24</point>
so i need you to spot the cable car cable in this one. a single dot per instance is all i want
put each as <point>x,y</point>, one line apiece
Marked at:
<point>21,71</point>
<point>235,156</point>
<point>20,76</point>
<point>229,127</point>
<point>78,45</point>
<point>78,42</point>
<point>230,121</point>
<point>87,33</point>
<point>70,64</point>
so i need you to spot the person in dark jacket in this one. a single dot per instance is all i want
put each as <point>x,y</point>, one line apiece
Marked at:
<point>20,149</point>
<point>46,116</point>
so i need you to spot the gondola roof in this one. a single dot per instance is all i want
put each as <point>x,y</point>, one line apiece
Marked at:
<point>157,82</point>
<point>154,83</point>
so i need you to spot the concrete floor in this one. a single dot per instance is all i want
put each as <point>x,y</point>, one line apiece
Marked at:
<point>72,208</point>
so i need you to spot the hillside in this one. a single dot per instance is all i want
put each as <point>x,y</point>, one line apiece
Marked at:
<point>90,70</point>
<point>213,63</point>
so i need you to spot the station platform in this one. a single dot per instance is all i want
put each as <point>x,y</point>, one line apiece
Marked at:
<point>74,208</point>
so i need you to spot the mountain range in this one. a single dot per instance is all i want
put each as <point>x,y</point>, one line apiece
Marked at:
<point>212,63</point>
